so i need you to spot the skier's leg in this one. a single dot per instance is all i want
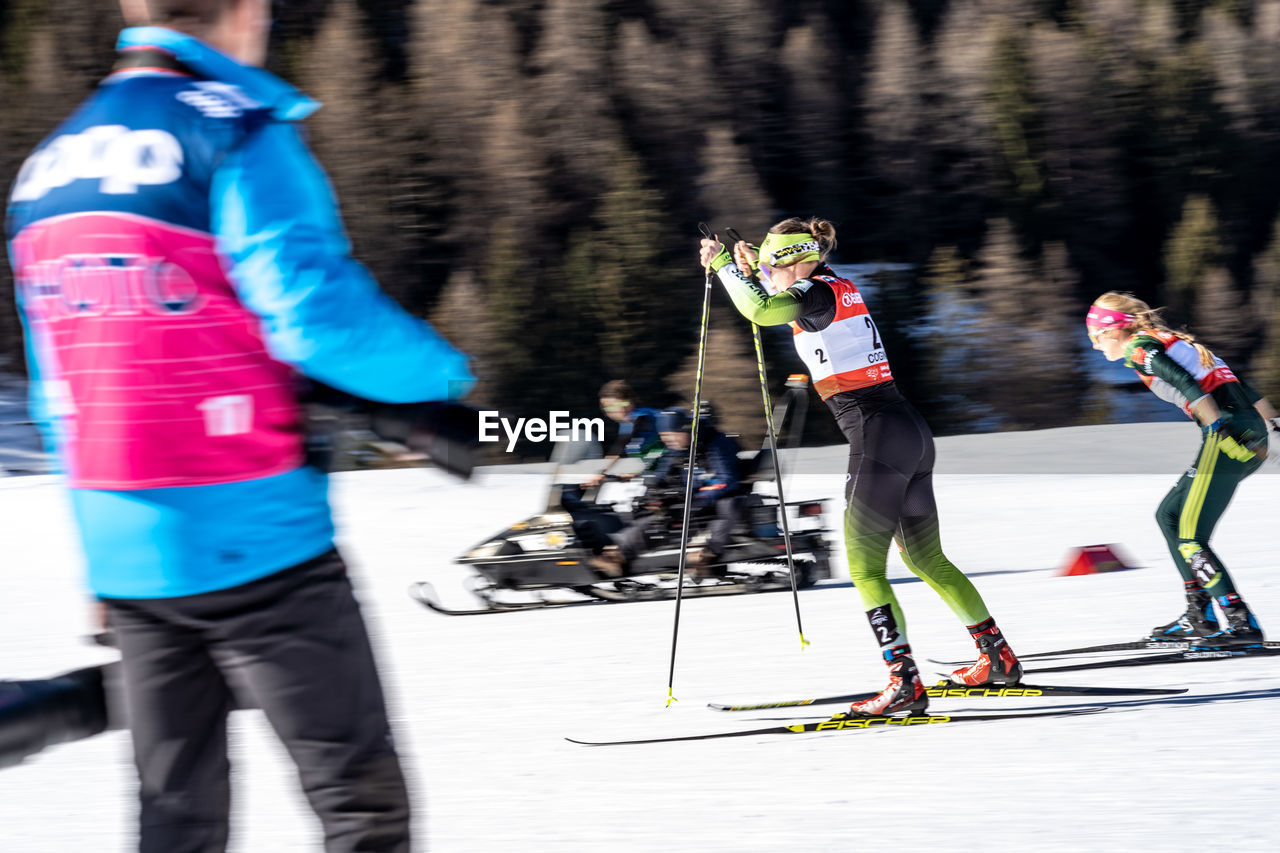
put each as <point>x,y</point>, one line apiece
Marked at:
<point>1210,491</point>
<point>875,487</point>
<point>1199,618</point>
<point>873,495</point>
<point>919,536</point>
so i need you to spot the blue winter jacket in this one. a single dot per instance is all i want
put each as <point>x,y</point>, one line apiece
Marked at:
<point>717,471</point>
<point>180,264</point>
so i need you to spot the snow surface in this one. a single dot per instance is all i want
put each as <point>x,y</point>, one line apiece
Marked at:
<point>482,705</point>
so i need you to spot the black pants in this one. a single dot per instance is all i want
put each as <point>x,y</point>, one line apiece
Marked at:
<point>295,641</point>
<point>720,530</point>
<point>592,522</point>
<point>650,530</point>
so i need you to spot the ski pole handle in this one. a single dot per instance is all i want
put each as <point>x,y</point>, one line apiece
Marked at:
<point>752,264</point>
<point>707,234</point>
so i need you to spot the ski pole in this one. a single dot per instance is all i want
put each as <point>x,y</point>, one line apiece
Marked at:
<point>777,464</point>
<point>693,450</point>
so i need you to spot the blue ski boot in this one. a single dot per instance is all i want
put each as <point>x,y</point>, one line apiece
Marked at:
<point>1242,630</point>
<point>1198,622</point>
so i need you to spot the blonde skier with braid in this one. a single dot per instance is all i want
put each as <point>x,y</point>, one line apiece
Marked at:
<point>889,486</point>
<point>1233,417</point>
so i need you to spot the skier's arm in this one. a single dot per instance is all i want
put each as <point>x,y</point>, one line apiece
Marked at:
<point>752,300</point>
<point>1262,406</point>
<point>1268,412</point>
<point>1250,393</point>
<point>722,464</point>
<point>289,259</point>
<point>1147,355</point>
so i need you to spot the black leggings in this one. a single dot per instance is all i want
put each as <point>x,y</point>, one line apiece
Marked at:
<point>889,497</point>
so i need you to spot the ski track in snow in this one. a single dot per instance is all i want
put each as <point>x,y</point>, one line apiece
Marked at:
<point>481,704</point>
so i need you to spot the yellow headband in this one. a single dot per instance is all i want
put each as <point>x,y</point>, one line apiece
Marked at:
<point>783,250</point>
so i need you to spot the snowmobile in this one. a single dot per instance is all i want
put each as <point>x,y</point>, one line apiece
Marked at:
<point>543,561</point>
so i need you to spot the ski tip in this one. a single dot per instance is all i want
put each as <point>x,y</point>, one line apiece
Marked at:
<point>596,742</point>
<point>425,594</point>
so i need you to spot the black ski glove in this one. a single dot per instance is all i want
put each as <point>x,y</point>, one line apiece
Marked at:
<point>448,433</point>
<point>42,712</point>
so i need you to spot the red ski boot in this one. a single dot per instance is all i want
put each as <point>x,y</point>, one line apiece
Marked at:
<point>904,693</point>
<point>996,663</point>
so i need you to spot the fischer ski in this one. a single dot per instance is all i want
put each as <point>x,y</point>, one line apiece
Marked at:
<point>1184,656</point>
<point>947,690</point>
<point>841,723</point>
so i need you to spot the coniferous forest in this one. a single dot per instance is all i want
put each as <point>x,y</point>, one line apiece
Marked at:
<point>530,175</point>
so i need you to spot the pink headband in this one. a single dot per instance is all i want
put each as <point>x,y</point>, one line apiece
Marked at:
<point>1107,318</point>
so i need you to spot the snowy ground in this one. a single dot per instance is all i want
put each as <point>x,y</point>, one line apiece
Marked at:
<point>482,704</point>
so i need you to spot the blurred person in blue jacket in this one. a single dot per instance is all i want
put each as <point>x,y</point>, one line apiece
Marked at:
<point>180,267</point>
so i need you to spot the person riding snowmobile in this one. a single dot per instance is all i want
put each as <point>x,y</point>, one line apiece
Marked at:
<point>717,495</point>
<point>637,436</point>
<point>637,439</point>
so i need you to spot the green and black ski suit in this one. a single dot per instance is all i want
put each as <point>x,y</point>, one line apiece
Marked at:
<point>889,484</point>
<point>1172,369</point>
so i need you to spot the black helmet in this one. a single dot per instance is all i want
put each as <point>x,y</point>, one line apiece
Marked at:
<point>672,420</point>
<point>706,413</point>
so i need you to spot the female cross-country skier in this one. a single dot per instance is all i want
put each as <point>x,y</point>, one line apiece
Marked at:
<point>889,486</point>
<point>1232,415</point>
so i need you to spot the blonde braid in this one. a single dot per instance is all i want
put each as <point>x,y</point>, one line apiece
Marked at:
<point>1148,319</point>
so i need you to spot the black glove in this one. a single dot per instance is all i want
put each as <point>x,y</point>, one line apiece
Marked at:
<point>449,433</point>
<point>1237,443</point>
<point>38,713</point>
